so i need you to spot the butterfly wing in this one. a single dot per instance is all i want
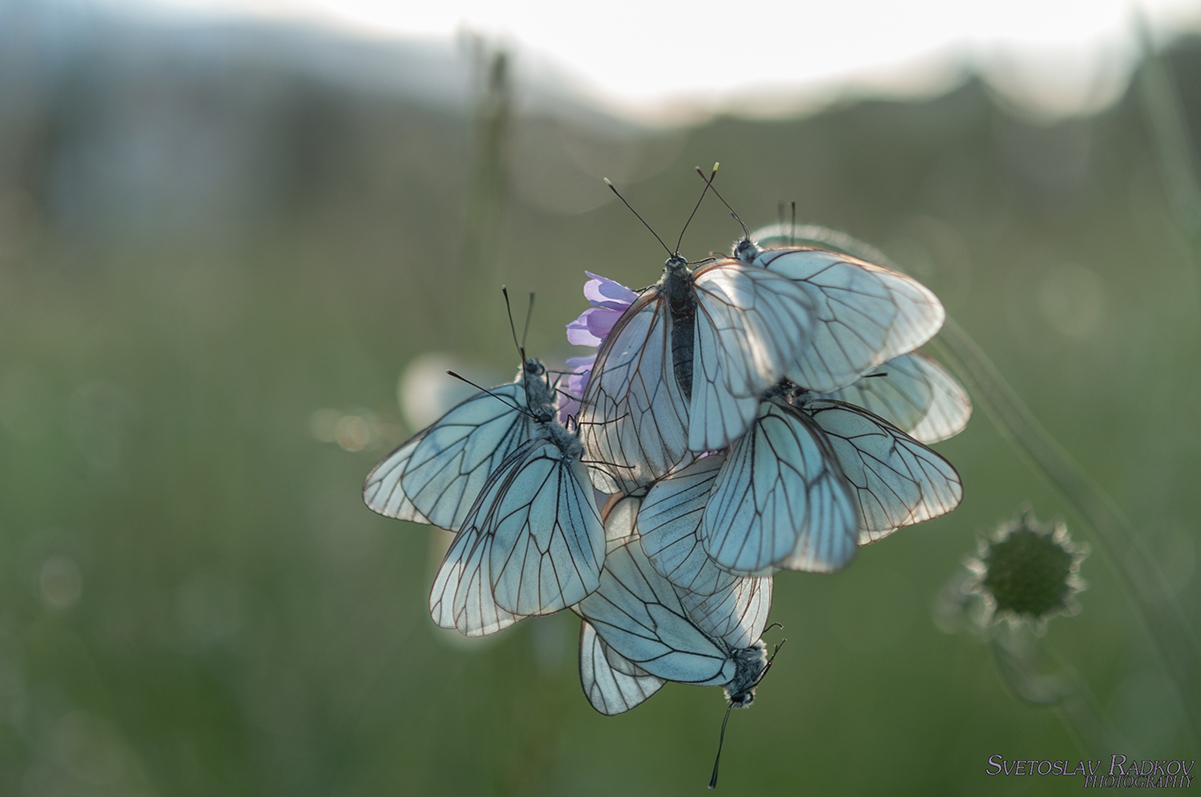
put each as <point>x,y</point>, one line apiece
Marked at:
<point>549,540</point>
<point>915,394</point>
<point>669,520</point>
<point>610,690</point>
<point>532,544</point>
<point>897,481</point>
<point>382,492</point>
<point>639,616</point>
<point>436,476</point>
<point>736,615</point>
<point>780,500</point>
<point>461,596</point>
<point>620,516</point>
<point>751,325</point>
<point>866,314</point>
<point>633,419</point>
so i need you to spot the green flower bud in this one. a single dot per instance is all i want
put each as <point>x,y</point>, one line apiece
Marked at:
<point>1025,571</point>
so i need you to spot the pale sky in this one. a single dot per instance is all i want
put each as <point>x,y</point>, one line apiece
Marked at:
<point>1070,55</point>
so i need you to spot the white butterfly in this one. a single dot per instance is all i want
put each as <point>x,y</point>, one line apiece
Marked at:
<point>683,369</point>
<point>531,544</point>
<point>914,393</point>
<point>865,314</point>
<point>436,475</point>
<point>640,618</point>
<point>639,631</point>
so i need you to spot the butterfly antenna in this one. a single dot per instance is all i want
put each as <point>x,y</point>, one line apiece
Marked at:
<point>613,188</point>
<point>721,741</point>
<point>792,232</point>
<point>529,314</point>
<point>745,232</point>
<point>772,658</point>
<point>496,396</point>
<point>708,184</point>
<point>512,328</point>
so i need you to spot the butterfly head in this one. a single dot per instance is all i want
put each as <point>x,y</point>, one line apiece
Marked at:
<point>746,250</point>
<point>675,264</point>
<point>534,367</point>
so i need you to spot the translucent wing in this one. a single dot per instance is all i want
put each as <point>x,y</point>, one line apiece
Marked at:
<point>640,618</point>
<point>723,605</point>
<point>620,516</point>
<point>736,615</point>
<point>897,480</point>
<point>381,489</point>
<point>669,520</point>
<point>549,540</point>
<point>780,500</point>
<point>436,476</point>
<point>461,597</point>
<point>751,325</point>
<point>915,394</point>
<point>866,314</point>
<point>633,419</point>
<point>532,544</point>
<point>610,690</point>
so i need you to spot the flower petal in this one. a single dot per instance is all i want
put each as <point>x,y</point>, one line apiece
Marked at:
<point>604,292</point>
<point>579,332</point>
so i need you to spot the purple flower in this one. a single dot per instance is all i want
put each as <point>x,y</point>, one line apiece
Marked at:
<point>609,301</point>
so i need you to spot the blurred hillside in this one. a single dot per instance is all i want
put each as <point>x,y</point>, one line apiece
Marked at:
<point>219,248</point>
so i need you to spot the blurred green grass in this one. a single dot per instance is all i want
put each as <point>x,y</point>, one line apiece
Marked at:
<point>193,599</point>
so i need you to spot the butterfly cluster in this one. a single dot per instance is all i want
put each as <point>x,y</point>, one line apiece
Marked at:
<point>744,415</point>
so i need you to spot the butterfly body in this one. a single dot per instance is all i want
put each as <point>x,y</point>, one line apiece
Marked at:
<point>681,303</point>
<point>749,665</point>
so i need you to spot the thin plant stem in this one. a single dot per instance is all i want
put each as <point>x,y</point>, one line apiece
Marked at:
<point>1170,136</point>
<point>488,192</point>
<point>1171,143</point>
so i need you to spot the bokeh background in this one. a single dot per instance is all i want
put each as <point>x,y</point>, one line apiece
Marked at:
<point>228,250</point>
